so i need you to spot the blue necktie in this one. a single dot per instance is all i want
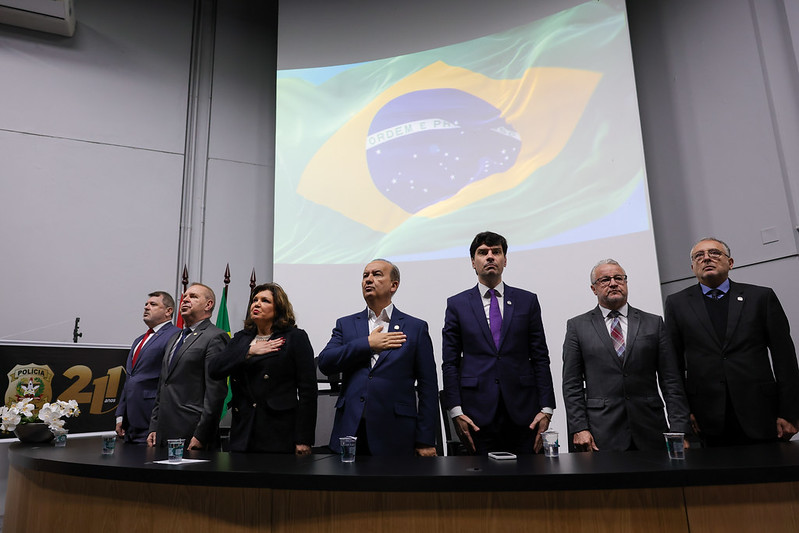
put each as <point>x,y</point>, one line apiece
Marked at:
<point>186,333</point>
<point>494,317</point>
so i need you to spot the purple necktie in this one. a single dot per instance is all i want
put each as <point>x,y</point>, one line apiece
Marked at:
<point>494,317</point>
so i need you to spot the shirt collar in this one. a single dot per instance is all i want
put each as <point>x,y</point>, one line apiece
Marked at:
<point>387,310</point>
<point>500,289</point>
<point>162,324</point>
<point>724,287</point>
<point>623,310</point>
<point>194,326</point>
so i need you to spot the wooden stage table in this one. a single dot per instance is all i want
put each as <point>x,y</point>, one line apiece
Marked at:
<point>76,489</point>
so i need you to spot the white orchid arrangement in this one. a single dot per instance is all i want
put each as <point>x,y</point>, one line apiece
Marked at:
<point>24,412</point>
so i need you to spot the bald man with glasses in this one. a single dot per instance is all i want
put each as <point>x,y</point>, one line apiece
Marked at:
<point>614,359</point>
<point>723,333</point>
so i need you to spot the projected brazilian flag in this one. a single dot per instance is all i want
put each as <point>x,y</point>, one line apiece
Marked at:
<point>377,158</point>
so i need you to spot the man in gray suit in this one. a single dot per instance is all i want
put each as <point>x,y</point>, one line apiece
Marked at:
<point>614,356</point>
<point>189,403</point>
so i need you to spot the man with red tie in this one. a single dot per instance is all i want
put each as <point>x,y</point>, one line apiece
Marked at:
<point>143,368</point>
<point>497,381</point>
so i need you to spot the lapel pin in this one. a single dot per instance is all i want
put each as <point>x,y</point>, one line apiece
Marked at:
<point>509,302</point>
<point>740,298</point>
<point>396,326</point>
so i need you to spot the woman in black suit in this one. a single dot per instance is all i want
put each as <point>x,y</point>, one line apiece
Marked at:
<point>273,378</point>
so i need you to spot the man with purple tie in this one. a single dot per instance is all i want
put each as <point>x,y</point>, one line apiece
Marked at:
<point>497,380</point>
<point>143,368</point>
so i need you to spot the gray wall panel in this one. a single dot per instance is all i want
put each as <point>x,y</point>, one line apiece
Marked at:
<point>87,230</point>
<point>120,80</point>
<point>243,107</point>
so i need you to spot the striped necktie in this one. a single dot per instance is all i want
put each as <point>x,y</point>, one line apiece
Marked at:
<point>616,333</point>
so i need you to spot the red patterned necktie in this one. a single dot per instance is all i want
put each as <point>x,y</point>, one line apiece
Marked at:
<point>616,333</point>
<point>138,348</point>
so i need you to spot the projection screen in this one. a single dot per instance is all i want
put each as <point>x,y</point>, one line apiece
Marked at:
<point>405,129</point>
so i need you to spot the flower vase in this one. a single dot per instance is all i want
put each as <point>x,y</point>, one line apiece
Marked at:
<point>34,432</point>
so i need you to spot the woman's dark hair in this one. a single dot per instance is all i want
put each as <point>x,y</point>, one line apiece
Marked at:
<point>284,313</point>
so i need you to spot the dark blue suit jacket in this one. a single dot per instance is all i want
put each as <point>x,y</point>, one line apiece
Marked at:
<point>141,385</point>
<point>385,394</point>
<point>476,372</point>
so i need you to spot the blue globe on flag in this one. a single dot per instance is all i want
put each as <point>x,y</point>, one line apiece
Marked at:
<point>425,146</point>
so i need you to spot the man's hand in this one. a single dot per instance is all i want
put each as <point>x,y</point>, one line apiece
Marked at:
<point>302,449</point>
<point>119,430</point>
<point>539,425</point>
<point>785,430</point>
<point>379,341</point>
<point>195,444</point>
<point>426,452</point>
<point>151,439</point>
<point>584,441</point>
<point>265,347</point>
<point>694,425</point>
<point>464,426</point>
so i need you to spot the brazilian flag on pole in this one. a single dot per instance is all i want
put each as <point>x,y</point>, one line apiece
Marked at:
<point>223,322</point>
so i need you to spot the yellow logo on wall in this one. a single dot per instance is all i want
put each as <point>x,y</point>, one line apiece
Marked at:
<point>30,381</point>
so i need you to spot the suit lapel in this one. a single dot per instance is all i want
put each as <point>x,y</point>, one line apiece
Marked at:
<point>190,339</point>
<point>144,348</point>
<point>129,364</point>
<point>736,304</point>
<point>633,323</point>
<point>362,324</point>
<point>476,303</point>
<point>697,306</point>
<point>507,314</point>
<point>601,329</point>
<point>397,324</point>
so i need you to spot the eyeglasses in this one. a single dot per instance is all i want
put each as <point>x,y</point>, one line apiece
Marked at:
<point>606,280</point>
<point>712,253</point>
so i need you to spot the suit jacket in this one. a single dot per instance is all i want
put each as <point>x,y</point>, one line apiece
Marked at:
<point>274,395</point>
<point>619,402</point>
<point>476,372</point>
<point>138,394</point>
<point>739,363</point>
<point>189,402</point>
<point>385,394</point>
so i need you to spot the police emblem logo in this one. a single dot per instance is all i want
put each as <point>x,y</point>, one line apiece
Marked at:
<point>30,381</point>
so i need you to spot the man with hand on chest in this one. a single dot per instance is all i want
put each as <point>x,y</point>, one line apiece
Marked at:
<point>389,392</point>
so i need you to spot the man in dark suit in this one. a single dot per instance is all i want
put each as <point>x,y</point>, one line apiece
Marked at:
<point>143,368</point>
<point>189,402</point>
<point>387,364</point>
<point>723,333</point>
<point>497,381</point>
<point>614,357</point>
